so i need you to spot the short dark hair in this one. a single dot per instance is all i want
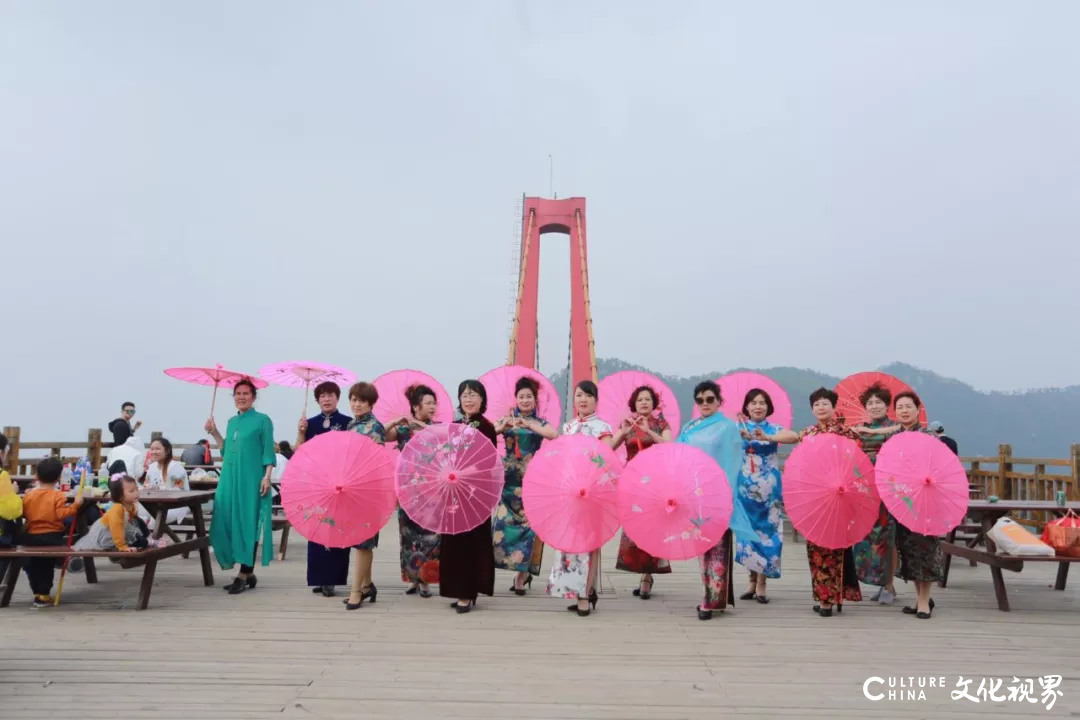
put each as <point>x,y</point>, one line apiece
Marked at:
<point>908,394</point>
<point>640,389</point>
<point>415,394</point>
<point>527,383</point>
<point>116,487</point>
<point>753,393</point>
<point>477,387</point>
<point>250,384</point>
<point>285,449</point>
<point>362,391</point>
<point>204,441</point>
<point>824,393</point>
<point>877,390</point>
<point>3,442</point>
<point>49,470</point>
<point>706,385</point>
<point>328,387</point>
<point>126,405</point>
<point>589,388</point>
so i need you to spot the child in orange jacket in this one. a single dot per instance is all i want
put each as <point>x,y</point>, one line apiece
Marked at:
<point>44,511</point>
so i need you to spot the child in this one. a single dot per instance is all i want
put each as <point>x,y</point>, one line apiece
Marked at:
<point>44,511</point>
<point>120,527</point>
<point>10,510</point>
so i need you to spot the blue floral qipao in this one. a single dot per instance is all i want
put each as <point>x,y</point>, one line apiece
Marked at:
<point>515,543</point>
<point>759,492</point>
<point>419,546</point>
<point>368,425</point>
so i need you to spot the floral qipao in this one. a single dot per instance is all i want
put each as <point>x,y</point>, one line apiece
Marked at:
<point>760,495</point>
<point>570,571</point>
<point>368,425</point>
<point>515,543</point>
<point>921,559</point>
<point>632,558</point>
<point>872,555</point>
<point>832,572</point>
<point>419,547</point>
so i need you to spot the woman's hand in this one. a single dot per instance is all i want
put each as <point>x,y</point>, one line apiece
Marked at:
<point>742,419</point>
<point>211,427</point>
<point>265,486</point>
<point>760,435</point>
<point>301,426</point>
<point>745,435</point>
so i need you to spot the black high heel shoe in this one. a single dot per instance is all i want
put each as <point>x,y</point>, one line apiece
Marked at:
<point>914,611</point>
<point>462,609</point>
<point>643,594</point>
<point>370,594</point>
<point>413,589</point>
<point>593,598</point>
<point>704,614</point>
<point>526,584</point>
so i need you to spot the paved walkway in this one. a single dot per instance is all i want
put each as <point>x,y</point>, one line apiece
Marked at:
<point>279,651</point>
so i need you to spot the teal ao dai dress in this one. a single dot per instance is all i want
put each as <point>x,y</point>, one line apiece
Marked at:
<point>759,492</point>
<point>515,543</point>
<point>241,514</point>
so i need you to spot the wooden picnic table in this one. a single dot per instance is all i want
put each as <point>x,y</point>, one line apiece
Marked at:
<point>986,513</point>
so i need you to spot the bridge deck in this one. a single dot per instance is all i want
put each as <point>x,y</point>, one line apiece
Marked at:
<point>281,651</point>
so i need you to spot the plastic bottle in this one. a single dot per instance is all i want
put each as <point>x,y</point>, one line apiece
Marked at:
<point>103,477</point>
<point>65,478</point>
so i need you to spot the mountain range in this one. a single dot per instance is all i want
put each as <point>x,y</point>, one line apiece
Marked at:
<point>1037,423</point>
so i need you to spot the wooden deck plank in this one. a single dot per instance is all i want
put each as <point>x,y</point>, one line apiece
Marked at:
<point>281,651</point>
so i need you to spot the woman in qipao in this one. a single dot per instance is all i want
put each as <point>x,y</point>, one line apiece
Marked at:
<point>242,500</point>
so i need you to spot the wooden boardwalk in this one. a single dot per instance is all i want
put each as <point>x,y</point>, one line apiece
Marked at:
<point>280,651</point>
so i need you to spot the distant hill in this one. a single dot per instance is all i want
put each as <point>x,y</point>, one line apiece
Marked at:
<point>1037,423</point>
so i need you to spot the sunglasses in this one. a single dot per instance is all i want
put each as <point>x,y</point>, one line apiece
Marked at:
<point>705,400</point>
<point>129,411</point>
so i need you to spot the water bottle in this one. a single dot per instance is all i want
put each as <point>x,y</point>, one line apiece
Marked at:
<point>65,478</point>
<point>103,477</point>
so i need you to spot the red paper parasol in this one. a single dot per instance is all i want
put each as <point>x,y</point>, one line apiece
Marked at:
<point>338,489</point>
<point>393,404</point>
<point>613,406</point>
<point>922,483</point>
<point>850,388</point>
<point>674,501</point>
<point>829,491</point>
<point>449,478</point>
<point>216,376</point>
<point>569,493</point>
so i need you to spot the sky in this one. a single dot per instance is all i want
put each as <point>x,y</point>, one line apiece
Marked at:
<point>830,185</point>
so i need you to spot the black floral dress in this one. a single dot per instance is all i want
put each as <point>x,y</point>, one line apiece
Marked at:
<point>419,547</point>
<point>921,559</point>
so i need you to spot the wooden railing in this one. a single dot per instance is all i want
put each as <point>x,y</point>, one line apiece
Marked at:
<point>24,456</point>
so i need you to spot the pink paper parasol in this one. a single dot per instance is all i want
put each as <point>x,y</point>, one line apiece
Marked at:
<point>306,375</point>
<point>733,388</point>
<point>449,478</point>
<point>569,493</point>
<point>674,501</point>
<point>338,489</point>
<point>613,405</point>
<point>216,376</point>
<point>393,404</point>
<point>829,491</point>
<point>922,483</point>
<point>502,400</point>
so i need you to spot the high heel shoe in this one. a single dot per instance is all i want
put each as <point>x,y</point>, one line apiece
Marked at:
<point>704,614</point>
<point>527,584</point>
<point>593,598</point>
<point>413,589</point>
<point>640,592</point>
<point>425,593</point>
<point>914,610</point>
<point>369,594</point>
<point>238,586</point>
<point>462,609</point>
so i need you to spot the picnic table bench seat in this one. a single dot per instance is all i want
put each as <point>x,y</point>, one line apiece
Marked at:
<point>147,559</point>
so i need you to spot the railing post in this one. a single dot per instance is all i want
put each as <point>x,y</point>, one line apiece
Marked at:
<point>93,448</point>
<point>1004,489</point>
<point>1074,486</point>
<point>12,435</point>
<point>155,435</point>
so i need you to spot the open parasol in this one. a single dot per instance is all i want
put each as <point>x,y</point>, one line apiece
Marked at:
<point>216,376</point>
<point>613,405</point>
<point>569,493</point>
<point>393,404</point>
<point>675,501</point>
<point>304,375</point>
<point>735,386</point>
<point>850,408</point>
<point>922,483</point>
<point>338,489</point>
<point>829,491</point>
<point>449,478</point>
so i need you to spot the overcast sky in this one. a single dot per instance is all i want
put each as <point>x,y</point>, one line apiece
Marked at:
<point>184,183</point>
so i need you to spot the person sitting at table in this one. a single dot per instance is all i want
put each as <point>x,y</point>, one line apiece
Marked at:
<point>198,455</point>
<point>45,510</point>
<point>120,528</point>
<point>164,473</point>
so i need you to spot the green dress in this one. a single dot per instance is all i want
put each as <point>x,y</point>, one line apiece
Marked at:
<point>239,510</point>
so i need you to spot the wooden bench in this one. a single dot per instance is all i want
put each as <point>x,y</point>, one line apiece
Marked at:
<point>279,522</point>
<point>147,558</point>
<point>1013,563</point>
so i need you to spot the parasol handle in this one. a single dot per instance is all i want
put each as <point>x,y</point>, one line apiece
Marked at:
<point>213,400</point>
<point>307,386</point>
<point>71,536</point>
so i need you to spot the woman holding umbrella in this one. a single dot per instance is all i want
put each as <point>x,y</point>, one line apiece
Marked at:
<point>242,500</point>
<point>513,539</point>
<point>573,575</point>
<point>875,556</point>
<point>467,563</point>
<point>362,398</point>
<point>640,431</point>
<point>419,547</point>
<point>832,572</point>
<point>920,555</point>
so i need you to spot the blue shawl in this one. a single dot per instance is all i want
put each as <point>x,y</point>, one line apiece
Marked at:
<point>720,439</point>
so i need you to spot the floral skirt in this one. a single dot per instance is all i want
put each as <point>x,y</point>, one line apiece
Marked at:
<point>832,575</point>
<point>569,576</point>
<point>921,559</point>
<point>715,575</point>
<point>419,552</point>
<point>369,544</point>
<point>874,554</point>
<point>633,559</point>
<point>515,543</point>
